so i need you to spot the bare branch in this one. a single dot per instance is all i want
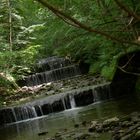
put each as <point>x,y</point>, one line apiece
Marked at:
<point>66,21</point>
<point>128,61</point>
<point>132,73</point>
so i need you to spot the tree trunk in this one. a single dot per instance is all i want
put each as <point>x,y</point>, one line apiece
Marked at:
<point>10,25</point>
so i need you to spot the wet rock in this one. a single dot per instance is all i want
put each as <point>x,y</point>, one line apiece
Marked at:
<point>135,114</point>
<point>6,116</point>
<point>42,133</point>
<point>57,106</point>
<point>94,123</point>
<point>135,117</point>
<point>117,133</point>
<point>116,137</point>
<point>50,139</point>
<point>137,135</point>
<point>127,137</point>
<point>126,123</point>
<point>133,128</point>
<point>82,136</point>
<point>106,129</point>
<point>126,118</point>
<point>76,125</point>
<point>46,109</point>
<point>127,133</point>
<point>4,103</point>
<point>99,128</point>
<point>111,122</point>
<point>49,88</point>
<point>84,123</point>
<point>58,136</point>
<point>92,127</point>
<point>25,88</point>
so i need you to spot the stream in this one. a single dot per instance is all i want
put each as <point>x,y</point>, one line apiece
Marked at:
<point>65,122</point>
<point>68,115</point>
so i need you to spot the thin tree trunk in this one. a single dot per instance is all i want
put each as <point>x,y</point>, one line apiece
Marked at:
<point>10,26</point>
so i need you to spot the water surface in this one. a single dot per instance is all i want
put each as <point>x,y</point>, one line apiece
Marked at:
<point>65,121</point>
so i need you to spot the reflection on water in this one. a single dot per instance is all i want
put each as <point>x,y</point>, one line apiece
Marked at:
<point>65,120</point>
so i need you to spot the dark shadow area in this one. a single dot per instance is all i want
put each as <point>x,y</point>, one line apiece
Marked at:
<point>125,78</point>
<point>124,81</point>
<point>84,67</point>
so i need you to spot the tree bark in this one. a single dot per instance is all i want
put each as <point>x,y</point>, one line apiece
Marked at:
<point>10,25</point>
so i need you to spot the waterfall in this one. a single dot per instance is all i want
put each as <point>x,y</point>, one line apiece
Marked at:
<point>34,112</point>
<point>14,114</point>
<point>53,75</point>
<point>38,110</point>
<point>66,101</point>
<point>25,112</point>
<point>41,110</point>
<point>72,101</point>
<point>52,69</point>
<point>95,94</point>
<point>56,103</point>
<point>63,101</point>
<point>51,63</point>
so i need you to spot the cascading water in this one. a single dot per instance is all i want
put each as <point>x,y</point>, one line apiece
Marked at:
<point>56,103</point>
<point>53,75</point>
<point>58,69</point>
<point>72,101</point>
<point>51,63</point>
<point>52,69</point>
<point>24,112</point>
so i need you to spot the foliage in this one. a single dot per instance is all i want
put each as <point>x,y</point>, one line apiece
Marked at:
<point>102,31</point>
<point>28,55</point>
<point>110,19</point>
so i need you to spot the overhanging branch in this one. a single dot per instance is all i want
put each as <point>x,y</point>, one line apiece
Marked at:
<point>126,9</point>
<point>70,20</point>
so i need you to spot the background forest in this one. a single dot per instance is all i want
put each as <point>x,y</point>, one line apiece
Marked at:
<point>96,32</point>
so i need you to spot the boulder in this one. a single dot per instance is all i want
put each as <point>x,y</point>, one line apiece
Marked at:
<point>82,136</point>
<point>135,117</point>
<point>99,128</point>
<point>58,136</point>
<point>92,127</point>
<point>127,137</point>
<point>42,133</point>
<point>137,135</point>
<point>126,123</point>
<point>111,122</point>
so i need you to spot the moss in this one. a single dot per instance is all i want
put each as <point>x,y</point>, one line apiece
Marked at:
<point>108,72</point>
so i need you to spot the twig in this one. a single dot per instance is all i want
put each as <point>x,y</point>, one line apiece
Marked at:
<point>132,73</point>
<point>128,61</point>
